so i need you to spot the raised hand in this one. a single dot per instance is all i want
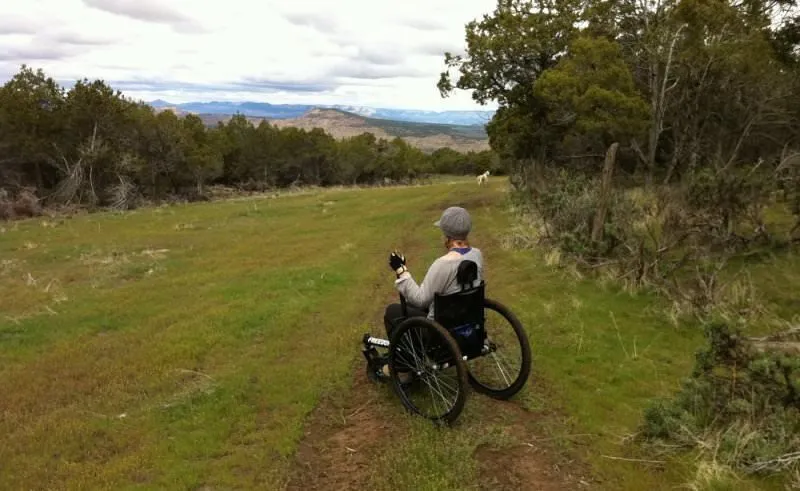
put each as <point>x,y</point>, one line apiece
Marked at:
<point>397,261</point>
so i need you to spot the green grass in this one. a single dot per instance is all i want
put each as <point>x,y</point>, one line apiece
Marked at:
<point>185,346</point>
<point>215,349</point>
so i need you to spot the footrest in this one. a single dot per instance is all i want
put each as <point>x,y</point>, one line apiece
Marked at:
<point>373,341</point>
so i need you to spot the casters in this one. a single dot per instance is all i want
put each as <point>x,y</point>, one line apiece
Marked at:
<point>375,362</point>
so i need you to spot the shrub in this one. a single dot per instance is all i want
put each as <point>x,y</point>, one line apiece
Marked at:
<point>24,205</point>
<point>788,174</point>
<point>676,239</point>
<point>567,205</point>
<point>740,404</point>
<point>27,204</point>
<point>6,210</point>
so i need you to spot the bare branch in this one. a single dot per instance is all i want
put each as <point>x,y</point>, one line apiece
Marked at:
<point>667,68</point>
<point>636,148</point>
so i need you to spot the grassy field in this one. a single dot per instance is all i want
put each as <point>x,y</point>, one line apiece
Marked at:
<point>194,346</point>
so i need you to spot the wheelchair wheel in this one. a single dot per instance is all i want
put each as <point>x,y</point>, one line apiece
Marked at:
<point>427,371</point>
<point>503,371</point>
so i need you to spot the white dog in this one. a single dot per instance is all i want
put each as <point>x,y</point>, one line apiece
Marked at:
<point>483,177</point>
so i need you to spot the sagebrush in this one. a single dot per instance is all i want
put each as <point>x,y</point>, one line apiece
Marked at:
<point>740,406</point>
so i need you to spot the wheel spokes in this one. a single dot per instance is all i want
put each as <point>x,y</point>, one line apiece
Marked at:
<point>441,390</point>
<point>502,366</point>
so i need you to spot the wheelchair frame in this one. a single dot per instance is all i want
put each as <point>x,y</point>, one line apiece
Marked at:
<point>375,342</point>
<point>370,343</point>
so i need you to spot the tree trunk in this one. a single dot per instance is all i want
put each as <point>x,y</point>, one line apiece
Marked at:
<point>655,124</point>
<point>39,177</point>
<point>676,155</point>
<point>605,193</point>
<point>658,91</point>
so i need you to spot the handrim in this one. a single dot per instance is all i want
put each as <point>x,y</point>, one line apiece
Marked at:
<point>447,387</point>
<point>501,365</point>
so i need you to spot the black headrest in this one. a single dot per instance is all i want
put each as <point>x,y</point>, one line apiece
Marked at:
<point>467,273</point>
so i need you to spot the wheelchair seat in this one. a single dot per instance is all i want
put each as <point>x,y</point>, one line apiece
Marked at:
<point>461,313</point>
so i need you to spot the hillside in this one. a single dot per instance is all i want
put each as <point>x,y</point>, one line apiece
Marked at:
<point>425,136</point>
<point>283,111</point>
<point>341,124</point>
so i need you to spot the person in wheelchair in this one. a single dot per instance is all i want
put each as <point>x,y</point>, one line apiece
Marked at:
<point>441,278</point>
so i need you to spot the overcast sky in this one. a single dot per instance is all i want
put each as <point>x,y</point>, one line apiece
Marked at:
<point>363,52</point>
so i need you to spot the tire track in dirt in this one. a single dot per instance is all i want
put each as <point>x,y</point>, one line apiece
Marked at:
<point>345,431</point>
<point>341,439</point>
<point>535,464</point>
<point>518,468</point>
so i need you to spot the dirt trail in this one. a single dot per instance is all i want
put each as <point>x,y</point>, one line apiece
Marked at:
<point>345,434</point>
<point>346,431</point>
<point>532,465</point>
<point>341,438</point>
<point>519,468</point>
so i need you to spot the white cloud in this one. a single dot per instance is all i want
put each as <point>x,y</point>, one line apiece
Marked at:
<point>12,24</point>
<point>148,11</point>
<point>280,51</point>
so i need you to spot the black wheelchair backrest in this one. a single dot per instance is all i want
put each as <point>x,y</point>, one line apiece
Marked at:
<point>461,312</point>
<point>467,274</point>
<point>464,306</point>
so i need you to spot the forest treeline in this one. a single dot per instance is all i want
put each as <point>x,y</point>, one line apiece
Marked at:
<point>647,135</point>
<point>91,146</point>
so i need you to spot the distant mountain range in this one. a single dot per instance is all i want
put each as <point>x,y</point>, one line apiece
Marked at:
<point>342,124</point>
<point>287,111</point>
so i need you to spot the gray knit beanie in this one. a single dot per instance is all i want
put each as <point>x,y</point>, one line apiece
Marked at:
<point>455,223</point>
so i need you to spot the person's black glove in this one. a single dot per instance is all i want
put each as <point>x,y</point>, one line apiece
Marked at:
<point>397,261</point>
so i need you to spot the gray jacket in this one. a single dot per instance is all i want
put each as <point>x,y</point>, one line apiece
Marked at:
<point>440,278</point>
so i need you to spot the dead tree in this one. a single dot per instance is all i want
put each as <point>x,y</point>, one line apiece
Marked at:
<point>605,194</point>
